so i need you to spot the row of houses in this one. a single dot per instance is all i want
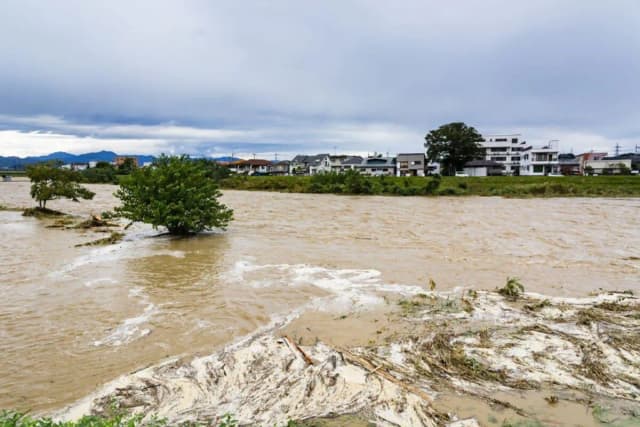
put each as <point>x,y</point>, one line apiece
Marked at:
<point>117,161</point>
<point>511,155</point>
<point>503,155</point>
<point>302,164</point>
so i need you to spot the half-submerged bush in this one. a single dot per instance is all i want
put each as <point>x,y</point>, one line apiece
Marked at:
<point>49,182</point>
<point>175,192</point>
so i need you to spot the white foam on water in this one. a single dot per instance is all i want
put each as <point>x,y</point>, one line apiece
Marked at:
<point>93,282</point>
<point>350,289</point>
<point>127,249</point>
<point>129,330</point>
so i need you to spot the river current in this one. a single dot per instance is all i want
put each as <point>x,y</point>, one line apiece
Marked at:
<point>72,318</point>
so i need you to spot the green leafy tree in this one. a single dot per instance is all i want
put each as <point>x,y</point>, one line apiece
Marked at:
<point>104,172</point>
<point>453,145</point>
<point>175,192</point>
<point>215,171</point>
<point>49,183</point>
<point>127,166</point>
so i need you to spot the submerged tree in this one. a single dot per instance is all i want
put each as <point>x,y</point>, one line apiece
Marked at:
<point>175,192</point>
<point>453,145</point>
<point>49,182</point>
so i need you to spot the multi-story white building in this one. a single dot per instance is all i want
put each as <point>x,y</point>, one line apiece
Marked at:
<point>540,160</point>
<point>504,149</point>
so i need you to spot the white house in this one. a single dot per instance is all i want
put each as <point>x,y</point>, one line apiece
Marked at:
<point>378,166</point>
<point>607,166</point>
<point>303,164</point>
<point>504,149</point>
<point>540,161</point>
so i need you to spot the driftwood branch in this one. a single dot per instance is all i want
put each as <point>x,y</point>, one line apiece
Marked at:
<point>292,344</point>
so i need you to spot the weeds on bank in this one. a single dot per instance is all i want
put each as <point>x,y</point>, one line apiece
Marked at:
<point>512,289</point>
<point>434,304</point>
<point>118,418</point>
<point>40,213</point>
<point>449,358</point>
<point>586,316</point>
<point>538,306</point>
<point>114,238</point>
<point>504,186</point>
<point>65,222</point>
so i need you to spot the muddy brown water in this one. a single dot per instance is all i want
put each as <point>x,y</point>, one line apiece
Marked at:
<point>72,318</point>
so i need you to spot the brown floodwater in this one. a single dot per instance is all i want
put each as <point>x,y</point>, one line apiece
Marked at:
<point>72,318</point>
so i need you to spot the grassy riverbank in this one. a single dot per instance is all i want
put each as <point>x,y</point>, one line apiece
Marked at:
<point>506,186</point>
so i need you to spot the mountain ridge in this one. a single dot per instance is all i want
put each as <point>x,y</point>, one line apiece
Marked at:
<point>14,162</point>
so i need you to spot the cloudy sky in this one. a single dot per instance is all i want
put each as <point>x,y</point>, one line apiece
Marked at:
<point>216,77</point>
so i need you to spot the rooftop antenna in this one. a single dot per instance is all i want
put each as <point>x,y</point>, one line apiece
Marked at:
<point>254,156</point>
<point>335,150</point>
<point>276,156</point>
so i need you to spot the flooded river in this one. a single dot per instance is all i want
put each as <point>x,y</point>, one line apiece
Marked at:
<point>72,318</point>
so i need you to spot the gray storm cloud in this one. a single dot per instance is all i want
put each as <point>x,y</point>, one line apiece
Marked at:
<point>363,75</point>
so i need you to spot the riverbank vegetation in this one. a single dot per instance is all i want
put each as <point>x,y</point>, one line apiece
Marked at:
<point>50,183</point>
<point>177,193</point>
<point>505,186</point>
<point>117,419</point>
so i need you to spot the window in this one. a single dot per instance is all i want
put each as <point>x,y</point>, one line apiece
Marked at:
<point>515,158</point>
<point>499,159</point>
<point>514,140</point>
<point>416,162</point>
<point>501,139</point>
<point>537,168</point>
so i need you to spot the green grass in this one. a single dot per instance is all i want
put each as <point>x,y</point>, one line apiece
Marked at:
<point>505,186</point>
<point>120,418</point>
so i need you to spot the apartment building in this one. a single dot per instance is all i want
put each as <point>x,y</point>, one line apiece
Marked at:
<point>504,149</point>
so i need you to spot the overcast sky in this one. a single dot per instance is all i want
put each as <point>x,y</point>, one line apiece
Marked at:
<point>216,77</point>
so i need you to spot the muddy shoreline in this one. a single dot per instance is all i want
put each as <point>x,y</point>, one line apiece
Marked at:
<point>579,358</point>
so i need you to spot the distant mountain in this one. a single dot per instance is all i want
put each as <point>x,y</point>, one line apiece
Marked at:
<point>225,159</point>
<point>13,162</point>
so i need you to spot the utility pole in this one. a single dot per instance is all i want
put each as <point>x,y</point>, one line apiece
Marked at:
<point>276,156</point>
<point>617,149</point>
<point>335,150</point>
<point>254,156</point>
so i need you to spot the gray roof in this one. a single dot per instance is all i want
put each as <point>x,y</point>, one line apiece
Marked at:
<point>309,159</point>
<point>352,160</point>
